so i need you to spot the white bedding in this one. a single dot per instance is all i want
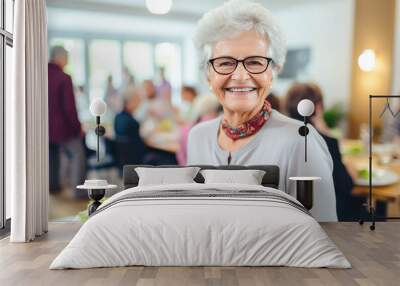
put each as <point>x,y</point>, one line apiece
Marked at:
<point>184,231</point>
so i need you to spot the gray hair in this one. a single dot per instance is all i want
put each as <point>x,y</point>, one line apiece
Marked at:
<point>233,18</point>
<point>58,52</point>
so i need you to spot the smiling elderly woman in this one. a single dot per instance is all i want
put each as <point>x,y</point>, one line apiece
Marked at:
<point>242,49</point>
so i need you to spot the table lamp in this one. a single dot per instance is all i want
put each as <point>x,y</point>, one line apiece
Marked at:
<point>305,108</point>
<point>98,107</point>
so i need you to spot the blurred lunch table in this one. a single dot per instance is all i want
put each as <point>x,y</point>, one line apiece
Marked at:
<point>162,142</point>
<point>385,172</point>
<point>162,135</point>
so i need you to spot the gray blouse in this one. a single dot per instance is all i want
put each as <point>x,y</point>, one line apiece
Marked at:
<point>277,143</point>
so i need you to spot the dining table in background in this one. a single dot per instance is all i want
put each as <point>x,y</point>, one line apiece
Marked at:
<point>161,135</point>
<point>169,145</point>
<point>359,159</point>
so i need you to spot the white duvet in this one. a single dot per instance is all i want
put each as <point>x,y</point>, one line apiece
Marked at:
<point>200,231</point>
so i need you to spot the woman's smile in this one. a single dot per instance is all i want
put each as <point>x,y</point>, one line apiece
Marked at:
<point>241,92</point>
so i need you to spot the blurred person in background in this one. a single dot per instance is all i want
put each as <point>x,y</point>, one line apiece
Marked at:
<point>159,126</point>
<point>128,80</point>
<point>65,133</point>
<point>113,98</point>
<point>125,124</point>
<point>164,89</point>
<point>349,208</point>
<point>151,106</point>
<point>130,148</point>
<point>188,96</point>
<point>205,107</point>
<point>154,109</point>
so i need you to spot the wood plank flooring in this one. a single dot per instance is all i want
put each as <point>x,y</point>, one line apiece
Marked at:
<point>375,257</point>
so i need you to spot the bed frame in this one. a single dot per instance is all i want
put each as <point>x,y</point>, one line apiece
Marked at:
<point>304,189</point>
<point>270,179</point>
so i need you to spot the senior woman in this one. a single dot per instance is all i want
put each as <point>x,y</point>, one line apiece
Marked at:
<point>242,49</point>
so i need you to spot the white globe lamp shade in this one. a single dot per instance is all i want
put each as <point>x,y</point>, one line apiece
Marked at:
<point>305,107</point>
<point>159,7</point>
<point>98,107</point>
<point>367,60</point>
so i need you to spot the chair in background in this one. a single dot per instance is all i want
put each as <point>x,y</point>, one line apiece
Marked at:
<point>127,152</point>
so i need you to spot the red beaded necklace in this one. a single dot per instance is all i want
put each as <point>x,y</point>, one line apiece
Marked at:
<point>249,127</point>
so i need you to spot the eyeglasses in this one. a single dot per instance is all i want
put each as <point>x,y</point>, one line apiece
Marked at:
<point>227,65</point>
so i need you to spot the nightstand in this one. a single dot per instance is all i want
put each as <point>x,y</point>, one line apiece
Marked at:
<point>305,190</point>
<point>96,190</point>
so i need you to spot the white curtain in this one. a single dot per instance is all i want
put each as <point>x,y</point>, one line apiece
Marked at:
<point>27,123</point>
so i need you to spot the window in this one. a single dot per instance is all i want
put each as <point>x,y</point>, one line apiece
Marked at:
<point>168,56</point>
<point>6,42</point>
<point>138,58</point>
<point>93,59</point>
<point>104,60</point>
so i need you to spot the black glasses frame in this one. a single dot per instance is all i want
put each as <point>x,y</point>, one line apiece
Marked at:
<point>211,61</point>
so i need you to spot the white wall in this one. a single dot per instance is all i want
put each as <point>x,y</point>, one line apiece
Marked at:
<point>327,28</point>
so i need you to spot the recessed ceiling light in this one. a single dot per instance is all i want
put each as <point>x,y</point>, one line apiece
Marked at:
<point>159,7</point>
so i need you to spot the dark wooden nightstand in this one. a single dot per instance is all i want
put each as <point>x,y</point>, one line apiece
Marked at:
<point>305,190</point>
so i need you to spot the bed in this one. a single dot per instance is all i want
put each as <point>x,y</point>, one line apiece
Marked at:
<point>201,224</point>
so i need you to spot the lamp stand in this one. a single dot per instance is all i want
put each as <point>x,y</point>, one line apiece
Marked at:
<point>303,131</point>
<point>100,131</point>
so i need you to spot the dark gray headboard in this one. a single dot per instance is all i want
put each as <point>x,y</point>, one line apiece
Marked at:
<point>271,177</point>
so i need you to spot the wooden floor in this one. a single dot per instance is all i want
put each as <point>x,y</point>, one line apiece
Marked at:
<point>375,257</point>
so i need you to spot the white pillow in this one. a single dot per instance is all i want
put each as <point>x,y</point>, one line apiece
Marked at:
<point>248,177</point>
<point>163,176</point>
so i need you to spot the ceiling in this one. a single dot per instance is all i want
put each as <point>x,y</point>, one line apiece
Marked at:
<point>187,10</point>
<point>199,7</point>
